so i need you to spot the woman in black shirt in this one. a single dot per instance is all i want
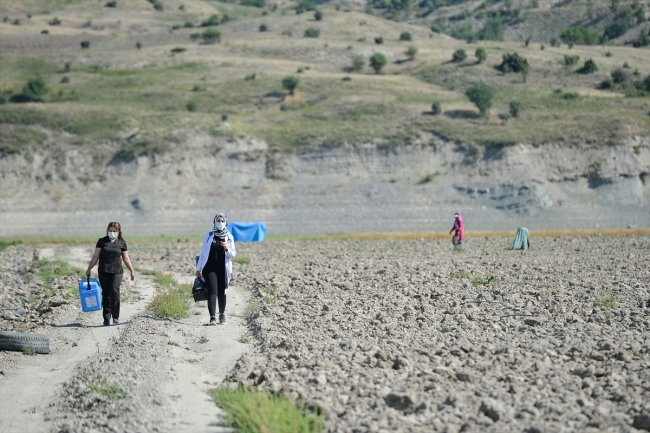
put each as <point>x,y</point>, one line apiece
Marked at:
<point>110,251</point>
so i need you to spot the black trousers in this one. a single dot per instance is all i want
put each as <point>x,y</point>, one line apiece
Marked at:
<point>215,290</point>
<point>110,294</point>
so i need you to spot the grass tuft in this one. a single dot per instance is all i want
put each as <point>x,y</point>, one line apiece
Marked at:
<point>242,260</point>
<point>29,351</point>
<point>113,392</point>
<point>483,281</point>
<point>607,299</point>
<point>251,411</point>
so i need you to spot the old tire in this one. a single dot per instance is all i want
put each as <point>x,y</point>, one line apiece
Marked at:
<point>18,341</point>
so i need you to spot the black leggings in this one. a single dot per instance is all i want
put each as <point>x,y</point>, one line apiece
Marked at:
<point>110,294</point>
<point>216,291</point>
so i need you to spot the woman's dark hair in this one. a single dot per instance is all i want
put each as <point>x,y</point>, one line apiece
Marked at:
<point>117,226</point>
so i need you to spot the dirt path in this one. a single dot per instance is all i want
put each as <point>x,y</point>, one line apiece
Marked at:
<point>31,393</point>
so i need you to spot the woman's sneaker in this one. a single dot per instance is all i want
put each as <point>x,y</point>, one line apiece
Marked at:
<point>222,318</point>
<point>107,323</point>
<point>213,321</point>
<point>116,321</point>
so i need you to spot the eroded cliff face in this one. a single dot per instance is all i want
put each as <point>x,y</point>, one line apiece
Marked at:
<point>365,187</point>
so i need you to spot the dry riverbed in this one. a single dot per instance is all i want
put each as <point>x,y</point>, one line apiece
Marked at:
<point>382,335</point>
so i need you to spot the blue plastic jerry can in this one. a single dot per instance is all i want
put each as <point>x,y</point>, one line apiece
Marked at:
<point>90,293</point>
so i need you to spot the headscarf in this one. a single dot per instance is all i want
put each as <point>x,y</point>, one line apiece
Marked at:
<point>221,234</point>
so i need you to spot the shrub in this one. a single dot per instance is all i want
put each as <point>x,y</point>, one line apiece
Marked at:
<point>312,32</point>
<point>195,36</point>
<point>619,75</point>
<point>212,21</point>
<point>318,15</point>
<point>493,29</point>
<point>504,117</point>
<point>346,78</point>
<point>138,45</point>
<point>463,32</point>
<point>617,28</point>
<point>579,36</point>
<point>411,52</point>
<point>643,40</point>
<point>157,5</point>
<point>459,55</point>
<point>570,60</point>
<point>588,68</point>
<point>646,83</point>
<point>306,5</point>
<point>554,42</point>
<point>224,117</point>
<point>606,84</point>
<point>481,95</point>
<point>357,63</point>
<point>191,106</point>
<point>188,25</point>
<point>290,83</point>
<point>254,3</point>
<point>377,62</point>
<point>211,36</point>
<point>570,95</point>
<point>264,28</point>
<point>111,4</point>
<point>130,151</point>
<point>513,63</point>
<point>436,108</point>
<point>85,45</point>
<point>55,22</point>
<point>369,10</point>
<point>35,89</point>
<point>65,80</point>
<point>168,303</point>
<point>439,26</point>
<point>515,108</point>
<point>481,54</point>
<point>405,36</point>
<point>379,40</point>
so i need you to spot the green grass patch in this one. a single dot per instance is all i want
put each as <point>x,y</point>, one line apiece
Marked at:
<point>462,274</point>
<point>242,260</point>
<point>113,392</point>
<point>606,299</point>
<point>173,343</point>
<point>4,244</point>
<point>168,304</point>
<point>47,270</point>
<point>163,280</point>
<point>251,411</point>
<point>29,351</point>
<point>143,271</point>
<point>487,280</point>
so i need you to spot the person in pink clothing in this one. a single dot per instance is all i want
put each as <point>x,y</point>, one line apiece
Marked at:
<point>459,230</point>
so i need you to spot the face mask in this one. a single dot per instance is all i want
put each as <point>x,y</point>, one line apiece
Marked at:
<point>112,235</point>
<point>220,225</point>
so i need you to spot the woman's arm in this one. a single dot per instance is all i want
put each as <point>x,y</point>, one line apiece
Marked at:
<point>93,260</point>
<point>203,256</point>
<point>127,260</point>
<point>231,252</point>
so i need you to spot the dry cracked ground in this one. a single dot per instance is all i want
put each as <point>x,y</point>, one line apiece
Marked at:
<point>412,336</point>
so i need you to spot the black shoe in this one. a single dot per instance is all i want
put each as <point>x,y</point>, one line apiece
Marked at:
<point>222,318</point>
<point>116,321</point>
<point>213,321</point>
<point>107,323</point>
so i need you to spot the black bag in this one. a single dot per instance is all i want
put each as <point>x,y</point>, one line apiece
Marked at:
<point>200,290</point>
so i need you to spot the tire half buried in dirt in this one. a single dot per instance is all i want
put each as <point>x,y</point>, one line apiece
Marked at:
<point>18,341</point>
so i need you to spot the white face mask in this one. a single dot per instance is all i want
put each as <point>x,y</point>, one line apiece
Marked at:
<point>112,235</point>
<point>220,225</point>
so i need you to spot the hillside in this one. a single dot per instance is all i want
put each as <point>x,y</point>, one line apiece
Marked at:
<point>148,106</point>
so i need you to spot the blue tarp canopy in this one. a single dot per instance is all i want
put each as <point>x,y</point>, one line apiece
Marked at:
<point>247,232</point>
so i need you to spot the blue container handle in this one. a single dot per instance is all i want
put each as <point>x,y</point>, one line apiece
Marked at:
<point>88,281</point>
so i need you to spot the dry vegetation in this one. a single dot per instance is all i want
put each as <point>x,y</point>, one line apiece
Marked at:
<point>104,92</point>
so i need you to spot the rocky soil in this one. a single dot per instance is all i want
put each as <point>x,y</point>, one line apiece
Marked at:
<point>410,336</point>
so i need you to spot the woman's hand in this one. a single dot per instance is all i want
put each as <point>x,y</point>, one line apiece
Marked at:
<point>224,245</point>
<point>198,274</point>
<point>132,275</point>
<point>88,272</point>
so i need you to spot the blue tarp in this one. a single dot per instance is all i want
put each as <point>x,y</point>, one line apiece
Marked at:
<point>247,232</point>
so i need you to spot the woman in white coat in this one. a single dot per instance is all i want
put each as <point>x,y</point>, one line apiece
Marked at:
<point>214,266</point>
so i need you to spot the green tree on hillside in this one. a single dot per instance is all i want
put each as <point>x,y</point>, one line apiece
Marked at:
<point>481,54</point>
<point>481,95</point>
<point>35,89</point>
<point>318,15</point>
<point>212,21</point>
<point>579,35</point>
<point>377,62</point>
<point>211,36</point>
<point>459,55</point>
<point>411,52</point>
<point>588,68</point>
<point>290,83</point>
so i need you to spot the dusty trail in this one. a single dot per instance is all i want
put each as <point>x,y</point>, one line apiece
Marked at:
<point>32,395</point>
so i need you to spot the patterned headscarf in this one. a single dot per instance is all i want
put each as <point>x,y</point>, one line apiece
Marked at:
<point>221,234</point>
